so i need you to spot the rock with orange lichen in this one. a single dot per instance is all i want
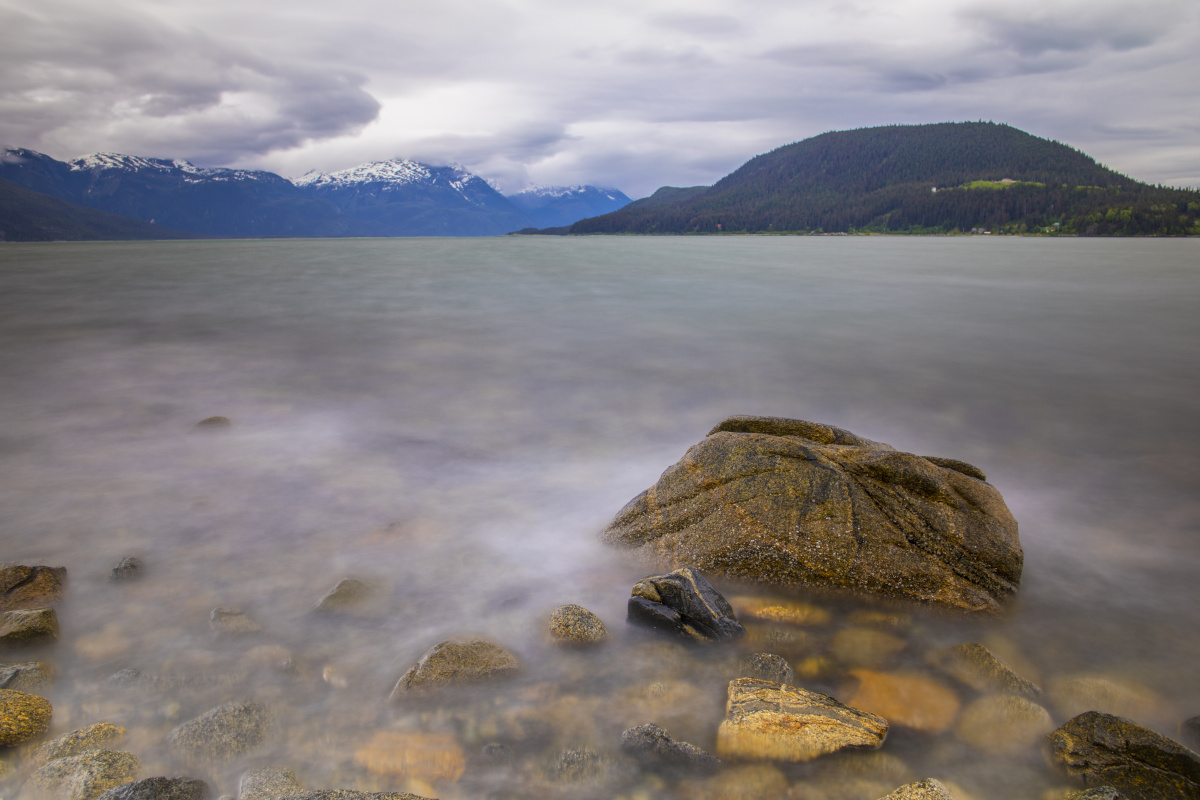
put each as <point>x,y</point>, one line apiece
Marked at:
<point>402,754</point>
<point>22,716</point>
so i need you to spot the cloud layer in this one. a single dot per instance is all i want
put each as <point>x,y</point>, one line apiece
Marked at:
<point>628,94</point>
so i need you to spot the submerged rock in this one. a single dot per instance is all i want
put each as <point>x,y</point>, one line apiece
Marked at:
<point>575,625</point>
<point>347,596</point>
<point>450,663</point>
<point>232,622</point>
<point>905,699</point>
<point>1144,765</point>
<point>85,776</point>
<point>767,721</point>
<point>268,783</point>
<point>22,716</point>
<point>1189,732</point>
<point>976,666</point>
<point>767,667</point>
<point>30,587</point>
<point>28,626</point>
<point>1071,695</point>
<point>28,676</point>
<point>162,789</point>
<point>654,748</point>
<point>222,733</point>
<point>423,756</point>
<point>127,569</point>
<point>865,647</point>
<point>215,423</point>
<point>683,602</point>
<point>792,502</point>
<point>790,612</point>
<point>1003,723</point>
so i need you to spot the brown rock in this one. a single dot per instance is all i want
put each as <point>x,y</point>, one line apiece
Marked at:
<point>30,587</point>
<point>86,776</point>
<point>347,596</point>
<point>453,662</point>
<point>922,790</point>
<point>912,701</point>
<point>1003,723</point>
<point>793,502</point>
<point>28,626</point>
<point>29,676</point>
<point>94,737</point>
<point>425,756</point>
<point>575,625</point>
<point>976,666</point>
<point>790,612</point>
<point>22,716</point>
<point>770,722</point>
<point>865,647</point>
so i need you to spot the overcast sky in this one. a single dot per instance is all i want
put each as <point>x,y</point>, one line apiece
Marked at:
<point>632,94</point>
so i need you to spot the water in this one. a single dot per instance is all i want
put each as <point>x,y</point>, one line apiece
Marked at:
<point>455,420</point>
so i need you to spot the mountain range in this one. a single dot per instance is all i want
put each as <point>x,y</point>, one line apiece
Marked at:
<point>171,198</point>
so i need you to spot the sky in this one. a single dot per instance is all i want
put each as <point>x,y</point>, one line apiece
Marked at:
<point>627,94</point>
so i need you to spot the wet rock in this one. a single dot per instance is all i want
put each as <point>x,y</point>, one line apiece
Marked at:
<point>161,788</point>
<point>1072,695</point>
<point>775,639</point>
<point>743,782</point>
<point>769,721</point>
<point>29,676</point>
<point>232,622</point>
<point>767,667</point>
<point>22,716</point>
<point>1099,793</point>
<point>582,766</point>
<point>30,587</point>
<point>654,748</point>
<point>347,596</point>
<point>976,666</point>
<point>214,423</point>
<point>452,663</point>
<point>905,699</point>
<point>865,647</point>
<point>351,794</point>
<point>792,502</point>
<point>871,618</point>
<point>268,783</point>
<point>784,611</point>
<point>1003,723</point>
<point>222,733</point>
<point>28,627</point>
<point>1103,749</point>
<point>424,756</point>
<point>85,776</point>
<point>127,569</point>
<point>102,735</point>
<point>683,602</point>
<point>1189,732</point>
<point>575,625</point>
<point>922,790</point>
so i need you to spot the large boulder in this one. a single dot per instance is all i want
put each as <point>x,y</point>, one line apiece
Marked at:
<point>786,501</point>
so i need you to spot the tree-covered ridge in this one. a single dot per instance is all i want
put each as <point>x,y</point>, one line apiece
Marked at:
<point>917,178</point>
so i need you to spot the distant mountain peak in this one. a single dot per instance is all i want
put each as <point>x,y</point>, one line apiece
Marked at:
<point>100,162</point>
<point>542,190</point>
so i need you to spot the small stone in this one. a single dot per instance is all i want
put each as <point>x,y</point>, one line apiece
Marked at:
<point>1074,694</point>
<point>22,716</point>
<point>268,783</point>
<point>1003,723</point>
<point>654,748</point>
<point>768,667</point>
<point>784,611</point>
<point>905,699</point>
<point>575,625</point>
<point>102,735</point>
<point>127,569</point>
<point>215,422</point>
<point>30,587</point>
<point>424,756</point>
<point>232,622</point>
<point>451,662</point>
<point>161,789</point>
<point>1104,749</point>
<point>976,666</point>
<point>348,595</point>
<point>86,776</point>
<point>222,733</point>
<point>28,676</point>
<point>684,603</point>
<point>922,790</point>
<point>769,721</point>
<point>863,647</point>
<point>29,626</point>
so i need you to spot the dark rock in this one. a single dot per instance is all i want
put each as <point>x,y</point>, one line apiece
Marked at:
<point>160,789</point>
<point>27,627</point>
<point>30,587</point>
<point>1189,732</point>
<point>975,666</point>
<point>268,783</point>
<point>216,422</point>
<point>792,502</point>
<point>29,676</point>
<point>223,733</point>
<point>767,667</point>
<point>1144,765</point>
<point>654,748</point>
<point>126,569</point>
<point>22,716</point>
<point>683,602</point>
<point>575,625</point>
<point>451,663</point>
<point>86,776</point>
<point>101,735</point>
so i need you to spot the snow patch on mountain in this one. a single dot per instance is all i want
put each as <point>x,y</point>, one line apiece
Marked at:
<point>556,192</point>
<point>97,162</point>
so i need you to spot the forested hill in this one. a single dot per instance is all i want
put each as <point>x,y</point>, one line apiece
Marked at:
<point>916,178</point>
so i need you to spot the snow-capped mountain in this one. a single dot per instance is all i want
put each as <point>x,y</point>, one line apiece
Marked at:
<point>190,173</point>
<point>559,206</point>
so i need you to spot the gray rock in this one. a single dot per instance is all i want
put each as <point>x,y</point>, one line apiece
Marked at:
<point>767,667</point>
<point>974,665</point>
<point>28,626</point>
<point>654,748</point>
<point>575,625</point>
<point>791,502</point>
<point>29,676</point>
<point>1106,750</point>
<point>1189,732</point>
<point>85,776</point>
<point>30,587</point>
<point>268,783</point>
<point>454,663</point>
<point>684,603</point>
<point>232,622</point>
<point>348,595</point>
<point>223,733</point>
<point>160,789</point>
<point>22,716</point>
<point>127,569</point>
<point>921,790</point>
<point>99,736</point>
<point>214,423</point>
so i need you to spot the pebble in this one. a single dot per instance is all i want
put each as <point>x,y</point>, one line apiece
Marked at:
<point>22,716</point>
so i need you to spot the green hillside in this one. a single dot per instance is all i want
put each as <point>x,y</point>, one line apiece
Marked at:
<point>29,216</point>
<point>954,176</point>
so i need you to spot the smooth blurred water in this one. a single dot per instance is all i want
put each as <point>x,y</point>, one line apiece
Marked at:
<point>457,419</point>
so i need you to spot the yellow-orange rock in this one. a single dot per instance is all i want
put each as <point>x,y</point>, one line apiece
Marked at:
<point>413,755</point>
<point>774,610</point>
<point>864,647</point>
<point>906,699</point>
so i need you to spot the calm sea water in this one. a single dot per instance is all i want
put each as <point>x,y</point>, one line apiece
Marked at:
<point>455,421</point>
